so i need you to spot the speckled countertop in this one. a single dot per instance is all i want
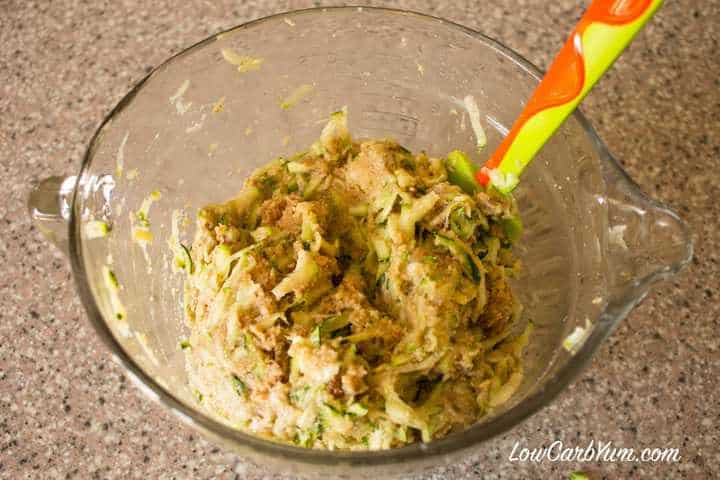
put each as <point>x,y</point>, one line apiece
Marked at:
<point>67,411</point>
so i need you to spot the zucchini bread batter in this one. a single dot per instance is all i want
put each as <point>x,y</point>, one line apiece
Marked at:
<point>354,296</point>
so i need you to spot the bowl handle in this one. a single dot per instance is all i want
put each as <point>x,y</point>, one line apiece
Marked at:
<point>49,204</point>
<point>646,241</point>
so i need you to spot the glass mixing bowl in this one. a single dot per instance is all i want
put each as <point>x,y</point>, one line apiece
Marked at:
<point>593,243</point>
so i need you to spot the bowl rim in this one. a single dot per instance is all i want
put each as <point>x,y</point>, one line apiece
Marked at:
<point>451,444</point>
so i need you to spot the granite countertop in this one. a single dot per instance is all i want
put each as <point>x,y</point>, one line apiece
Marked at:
<point>67,411</point>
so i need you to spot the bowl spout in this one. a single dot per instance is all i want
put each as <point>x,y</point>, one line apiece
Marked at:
<point>646,241</point>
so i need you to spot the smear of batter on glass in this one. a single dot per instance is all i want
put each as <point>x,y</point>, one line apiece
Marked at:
<point>196,126</point>
<point>140,225</point>
<point>474,114</point>
<point>469,104</point>
<point>132,174</point>
<point>112,285</point>
<point>219,106</point>
<point>120,157</point>
<point>178,101</point>
<point>242,62</point>
<point>96,229</point>
<point>296,95</point>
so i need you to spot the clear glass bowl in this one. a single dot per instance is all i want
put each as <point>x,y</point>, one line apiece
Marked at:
<point>593,242</point>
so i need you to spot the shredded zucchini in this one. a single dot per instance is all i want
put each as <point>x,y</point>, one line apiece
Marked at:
<point>461,171</point>
<point>353,296</point>
<point>413,213</point>
<point>300,279</point>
